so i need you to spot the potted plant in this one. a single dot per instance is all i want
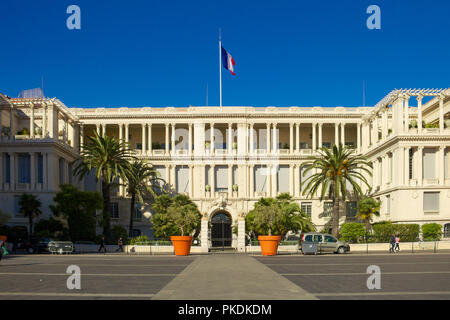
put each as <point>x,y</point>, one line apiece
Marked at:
<point>234,145</point>
<point>177,218</point>
<point>235,187</point>
<point>208,188</point>
<point>273,218</point>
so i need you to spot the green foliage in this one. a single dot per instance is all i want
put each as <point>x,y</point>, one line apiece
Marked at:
<point>431,231</point>
<point>382,231</point>
<point>79,209</point>
<point>332,169</point>
<point>118,232</point>
<point>352,231</point>
<point>156,146</point>
<point>109,158</point>
<point>175,216</point>
<point>140,240</point>
<point>432,125</point>
<point>51,228</point>
<point>24,132</point>
<point>368,208</point>
<point>277,216</point>
<point>413,124</point>
<point>30,207</point>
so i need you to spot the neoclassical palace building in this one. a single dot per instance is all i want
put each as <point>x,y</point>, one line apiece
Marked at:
<point>226,158</point>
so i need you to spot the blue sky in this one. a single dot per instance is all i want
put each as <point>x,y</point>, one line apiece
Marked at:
<point>164,53</point>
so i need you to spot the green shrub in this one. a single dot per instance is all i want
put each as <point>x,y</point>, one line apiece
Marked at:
<point>352,231</point>
<point>143,240</point>
<point>118,232</point>
<point>431,231</point>
<point>382,231</point>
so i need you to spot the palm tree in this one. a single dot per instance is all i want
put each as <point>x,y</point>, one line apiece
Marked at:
<point>140,180</point>
<point>30,207</point>
<point>110,158</point>
<point>368,208</point>
<point>334,168</point>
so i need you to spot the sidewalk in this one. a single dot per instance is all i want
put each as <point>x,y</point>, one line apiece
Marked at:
<point>230,277</point>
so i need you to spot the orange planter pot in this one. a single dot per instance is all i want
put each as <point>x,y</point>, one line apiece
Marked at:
<point>269,245</point>
<point>182,245</point>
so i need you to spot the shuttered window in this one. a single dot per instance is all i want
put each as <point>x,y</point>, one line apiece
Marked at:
<point>221,178</point>
<point>429,163</point>
<point>283,178</point>
<point>431,201</point>
<point>182,179</point>
<point>260,178</point>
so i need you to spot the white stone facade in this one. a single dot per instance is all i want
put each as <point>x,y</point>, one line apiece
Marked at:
<point>256,152</point>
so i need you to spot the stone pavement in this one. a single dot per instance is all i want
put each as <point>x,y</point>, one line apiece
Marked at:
<point>230,277</point>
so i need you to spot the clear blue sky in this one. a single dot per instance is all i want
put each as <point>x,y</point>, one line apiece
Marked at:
<point>163,53</point>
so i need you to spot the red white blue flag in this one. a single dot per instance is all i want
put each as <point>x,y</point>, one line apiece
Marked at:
<point>228,61</point>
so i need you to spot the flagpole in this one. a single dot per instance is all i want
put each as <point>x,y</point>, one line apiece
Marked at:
<point>220,66</point>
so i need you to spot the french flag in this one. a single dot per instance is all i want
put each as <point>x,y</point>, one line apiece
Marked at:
<point>228,61</point>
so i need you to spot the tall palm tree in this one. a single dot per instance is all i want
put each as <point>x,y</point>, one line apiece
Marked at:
<point>368,208</point>
<point>142,179</point>
<point>110,158</point>
<point>334,168</point>
<point>30,207</point>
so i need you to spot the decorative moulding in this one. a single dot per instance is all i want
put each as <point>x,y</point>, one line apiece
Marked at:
<point>100,110</point>
<point>146,109</point>
<point>123,109</point>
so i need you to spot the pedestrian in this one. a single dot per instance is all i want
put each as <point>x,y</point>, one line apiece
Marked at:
<point>397,243</point>
<point>1,249</point>
<point>102,245</point>
<point>392,243</point>
<point>120,244</point>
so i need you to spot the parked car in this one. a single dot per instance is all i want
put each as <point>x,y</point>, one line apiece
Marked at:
<point>325,242</point>
<point>35,245</point>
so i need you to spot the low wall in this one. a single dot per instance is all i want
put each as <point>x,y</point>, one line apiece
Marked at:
<point>131,249</point>
<point>404,246</point>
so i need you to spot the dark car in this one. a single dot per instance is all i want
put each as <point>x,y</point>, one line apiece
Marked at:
<point>36,245</point>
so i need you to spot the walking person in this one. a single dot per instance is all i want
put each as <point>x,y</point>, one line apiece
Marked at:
<point>3,251</point>
<point>397,243</point>
<point>120,244</point>
<point>392,243</point>
<point>102,245</point>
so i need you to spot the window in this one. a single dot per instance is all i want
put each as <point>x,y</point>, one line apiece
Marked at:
<point>8,169</point>
<point>303,145</point>
<point>446,230</point>
<point>139,146</point>
<point>307,208</point>
<point>317,238</point>
<point>391,167</point>
<point>136,233</point>
<point>308,238</point>
<point>304,176</point>
<point>429,163</point>
<point>326,144</point>
<point>260,178</point>
<point>24,168</point>
<point>40,166</point>
<point>114,210</point>
<point>138,208</point>
<point>388,204</point>
<point>411,157</point>
<point>182,179</point>
<point>327,209</point>
<point>17,207</point>
<point>329,239</point>
<point>350,209</point>
<point>283,178</point>
<point>221,178</point>
<point>431,201</point>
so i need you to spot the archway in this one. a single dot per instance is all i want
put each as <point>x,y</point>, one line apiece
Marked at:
<point>221,230</point>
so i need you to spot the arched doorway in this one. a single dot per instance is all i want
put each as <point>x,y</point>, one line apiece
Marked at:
<point>221,231</point>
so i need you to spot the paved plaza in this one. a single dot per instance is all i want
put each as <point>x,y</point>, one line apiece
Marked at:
<point>226,277</point>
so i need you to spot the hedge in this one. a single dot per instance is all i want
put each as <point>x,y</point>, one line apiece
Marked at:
<point>431,231</point>
<point>352,232</point>
<point>383,231</point>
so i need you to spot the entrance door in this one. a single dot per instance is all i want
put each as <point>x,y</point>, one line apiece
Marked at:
<point>221,230</point>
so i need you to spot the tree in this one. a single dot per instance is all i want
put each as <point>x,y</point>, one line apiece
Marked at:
<point>368,208</point>
<point>110,158</point>
<point>79,209</point>
<point>334,168</point>
<point>50,228</point>
<point>175,216</point>
<point>277,216</point>
<point>30,207</point>
<point>142,179</point>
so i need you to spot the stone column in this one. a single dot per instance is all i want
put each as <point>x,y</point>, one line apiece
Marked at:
<point>313,129</point>
<point>127,132</point>
<point>121,132</point>
<point>441,113</point>
<point>274,138</point>
<point>167,139</point>
<point>190,139</point>
<point>144,140</point>
<point>320,136</point>
<point>358,138</point>
<point>230,180</point>
<point>12,129</point>
<point>212,179</point>
<point>419,113</point>
<point>44,120</point>
<point>297,137</point>
<point>241,235</point>
<point>336,134</point>
<point>291,138</point>
<point>419,165</point>
<point>32,121</point>
<point>104,130</point>
<point>98,128</point>
<point>149,139</point>
<point>252,137</point>
<point>204,235</point>
<point>230,138</point>
<point>212,138</point>
<point>384,124</point>
<point>268,138</point>
<point>174,147</point>
<point>32,170</point>
<point>343,134</point>
<point>441,165</point>
<point>406,123</point>
<point>252,181</point>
